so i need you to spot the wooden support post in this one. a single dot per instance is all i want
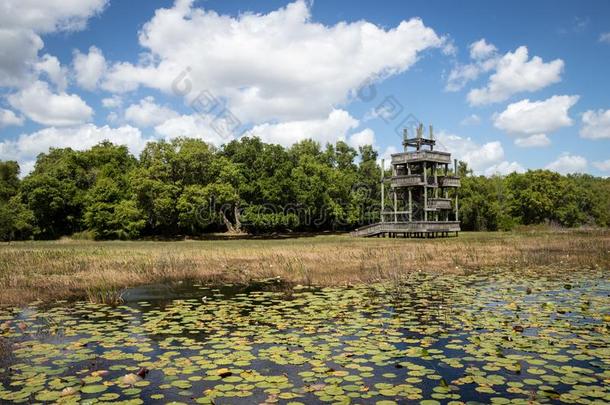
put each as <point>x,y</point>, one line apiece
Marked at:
<point>455,166</point>
<point>382,189</point>
<point>425,193</point>
<point>456,206</point>
<point>435,180</point>
<point>395,206</point>
<point>410,206</point>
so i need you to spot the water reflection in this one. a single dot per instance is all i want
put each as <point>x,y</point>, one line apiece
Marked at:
<point>428,337</point>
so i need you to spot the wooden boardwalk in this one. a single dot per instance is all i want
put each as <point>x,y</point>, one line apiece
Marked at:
<point>423,229</point>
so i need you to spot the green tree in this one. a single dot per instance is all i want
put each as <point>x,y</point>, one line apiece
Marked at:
<point>9,179</point>
<point>110,213</point>
<point>366,192</point>
<point>542,196</point>
<point>110,209</point>
<point>479,206</point>
<point>186,186</point>
<point>16,221</point>
<point>55,192</point>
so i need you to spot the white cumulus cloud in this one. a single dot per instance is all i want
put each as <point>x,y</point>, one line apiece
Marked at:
<point>596,124</point>
<point>484,58</point>
<point>8,118</point>
<point>41,105</point>
<point>504,168</point>
<point>364,137</point>
<point>481,49</point>
<point>147,113</point>
<point>335,127</point>
<point>534,120</point>
<point>51,67</point>
<point>89,68</point>
<point>387,155</point>
<point>533,141</point>
<point>275,66</point>
<point>515,73</point>
<point>604,166</point>
<point>112,102</point>
<point>482,159</point>
<point>194,126</point>
<point>27,146</point>
<point>568,163</point>
<point>21,24</point>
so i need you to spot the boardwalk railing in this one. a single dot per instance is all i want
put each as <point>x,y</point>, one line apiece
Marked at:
<point>407,227</point>
<point>421,156</point>
<point>449,181</point>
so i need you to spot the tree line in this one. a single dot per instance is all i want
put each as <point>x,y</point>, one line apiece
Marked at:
<point>186,187</point>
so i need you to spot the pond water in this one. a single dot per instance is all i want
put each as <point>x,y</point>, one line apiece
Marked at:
<point>507,337</point>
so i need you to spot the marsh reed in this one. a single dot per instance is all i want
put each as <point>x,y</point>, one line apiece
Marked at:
<point>99,271</point>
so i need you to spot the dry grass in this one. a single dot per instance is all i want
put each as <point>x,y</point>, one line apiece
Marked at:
<point>65,269</point>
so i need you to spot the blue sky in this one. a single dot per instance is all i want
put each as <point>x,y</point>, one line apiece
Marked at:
<point>507,86</point>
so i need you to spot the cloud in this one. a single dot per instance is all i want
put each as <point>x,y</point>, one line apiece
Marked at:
<point>504,168</point>
<point>568,163</point>
<point>579,24</point>
<point>449,48</point>
<point>89,68</point>
<point>603,166</point>
<point>533,141</point>
<point>535,119</point>
<point>275,66</point>
<point>461,75</point>
<point>50,66</point>
<point>8,118</point>
<point>22,23</point>
<point>336,126</point>
<point>387,155</point>
<point>472,119</point>
<point>112,102</point>
<point>364,137</point>
<point>515,73</point>
<point>147,113</point>
<point>387,110</point>
<point>595,124</point>
<point>484,58</point>
<point>605,37</point>
<point>482,159</point>
<point>481,50</point>
<point>193,126</point>
<point>18,52</point>
<point>49,15</point>
<point>39,104</point>
<point>27,146</point>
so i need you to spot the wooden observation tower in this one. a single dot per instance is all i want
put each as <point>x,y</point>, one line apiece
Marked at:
<point>423,198</point>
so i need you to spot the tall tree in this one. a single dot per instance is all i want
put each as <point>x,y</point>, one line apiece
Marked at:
<point>16,220</point>
<point>55,192</point>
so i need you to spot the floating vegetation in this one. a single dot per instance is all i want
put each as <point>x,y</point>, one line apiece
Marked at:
<point>493,338</point>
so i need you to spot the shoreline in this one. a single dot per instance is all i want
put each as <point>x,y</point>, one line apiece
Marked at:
<point>65,269</point>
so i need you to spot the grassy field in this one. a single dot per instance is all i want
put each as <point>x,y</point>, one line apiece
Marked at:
<point>98,271</point>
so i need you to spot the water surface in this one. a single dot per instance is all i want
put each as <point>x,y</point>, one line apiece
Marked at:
<point>505,337</point>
